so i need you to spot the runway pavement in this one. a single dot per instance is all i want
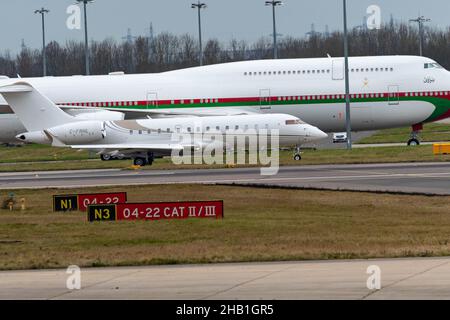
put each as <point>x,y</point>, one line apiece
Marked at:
<point>418,278</point>
<point>421,178</point>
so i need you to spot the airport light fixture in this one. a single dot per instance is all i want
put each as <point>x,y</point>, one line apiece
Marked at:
<point>420,21</point>
<point>42,12</point>
<point>274,3</point>
<point>347,82</point>
<point>199,6</point>
<point>86,44</point>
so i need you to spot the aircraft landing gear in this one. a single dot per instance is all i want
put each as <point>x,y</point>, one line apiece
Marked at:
<point>414,138</point>
<point>141,161</point>
<point>297,154</point>
<point>105,157</point>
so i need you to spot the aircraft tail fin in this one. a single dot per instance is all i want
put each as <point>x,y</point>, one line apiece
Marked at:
<point>34,110</point>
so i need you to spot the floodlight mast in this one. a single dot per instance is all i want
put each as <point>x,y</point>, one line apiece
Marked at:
<point>274,3</point>
<point>86,42</point>
<point>42,12</point>
<point>199,6</point>
<point>347,82</point>
<point>420,21</point>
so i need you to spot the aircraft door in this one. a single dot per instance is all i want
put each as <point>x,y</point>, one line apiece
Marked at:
<point>338,69</point>
<point>394,96</point>
<point>152,100</point>
<point>265,100</point>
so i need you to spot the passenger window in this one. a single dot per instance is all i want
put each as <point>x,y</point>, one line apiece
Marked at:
<point>131,131</point>
<point>140,131</point>
<point>218,128</point>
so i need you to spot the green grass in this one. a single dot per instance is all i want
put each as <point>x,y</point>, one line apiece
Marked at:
<point>259,225</point>
<point>310,157</point>
<point>36,152</point>
<point>433,132</point>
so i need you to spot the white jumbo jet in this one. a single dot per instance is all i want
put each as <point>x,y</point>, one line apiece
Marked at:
<point>386,92</point>
<point>142,140</point>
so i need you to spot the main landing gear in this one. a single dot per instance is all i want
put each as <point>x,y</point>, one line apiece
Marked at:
<point>105,157</point>
<point>143,161</point>
<point>297,154</point>
<point>414,139</point>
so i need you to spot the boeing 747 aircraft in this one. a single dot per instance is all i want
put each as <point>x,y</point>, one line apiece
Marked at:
<point>386,92</point>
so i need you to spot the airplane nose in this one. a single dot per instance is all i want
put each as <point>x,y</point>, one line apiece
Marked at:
<point>317,134</point>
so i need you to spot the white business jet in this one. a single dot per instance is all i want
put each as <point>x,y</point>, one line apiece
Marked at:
<point>142,140</point>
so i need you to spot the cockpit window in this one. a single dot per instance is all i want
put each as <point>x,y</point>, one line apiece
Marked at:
<point>292,122</point>
<point>433,66</point>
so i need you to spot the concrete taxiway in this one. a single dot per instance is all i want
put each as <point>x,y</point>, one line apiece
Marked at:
<point>420,278</point>
<point>420,178</point>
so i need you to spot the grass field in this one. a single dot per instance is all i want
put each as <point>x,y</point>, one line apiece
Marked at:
<point>433,132</point>
<point>68,160</point>
<point>259,225</point>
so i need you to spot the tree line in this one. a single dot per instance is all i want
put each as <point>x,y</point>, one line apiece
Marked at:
<point>168,52</point>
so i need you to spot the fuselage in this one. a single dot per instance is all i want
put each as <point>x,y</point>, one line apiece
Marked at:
<point>386,91</point>
<point>288,130</point>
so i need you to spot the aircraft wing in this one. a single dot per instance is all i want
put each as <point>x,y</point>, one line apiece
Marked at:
<point>130,147</point>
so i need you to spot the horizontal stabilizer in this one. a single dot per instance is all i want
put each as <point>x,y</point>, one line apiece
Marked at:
<point>15,88</point>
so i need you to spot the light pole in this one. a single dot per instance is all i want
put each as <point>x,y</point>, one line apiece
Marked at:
<point>347,82</point>
<point>42,12</point>
<point>274,3</point>
<point>86,44</point>
<point>199,6</point>
<point>420,20</point>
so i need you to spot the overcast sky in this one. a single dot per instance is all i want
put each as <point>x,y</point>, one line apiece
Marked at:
<point>223,19</point>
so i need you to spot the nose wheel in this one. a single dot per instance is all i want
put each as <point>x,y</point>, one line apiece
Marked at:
<point>413,142</point>
<point>297,154</point>
<point>414,139</point>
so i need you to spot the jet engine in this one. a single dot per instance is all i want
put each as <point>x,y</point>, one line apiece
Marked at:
<point>82,132</point>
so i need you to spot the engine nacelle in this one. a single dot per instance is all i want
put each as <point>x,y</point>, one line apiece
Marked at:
<point>100,115</point>
<point>39,137</point>
<point>83,132</point>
